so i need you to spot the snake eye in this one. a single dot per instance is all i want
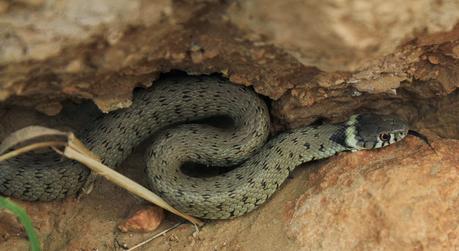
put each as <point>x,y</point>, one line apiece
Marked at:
<point>384,136</point>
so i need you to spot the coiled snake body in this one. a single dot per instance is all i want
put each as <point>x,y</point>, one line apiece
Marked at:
<point>263,166</point>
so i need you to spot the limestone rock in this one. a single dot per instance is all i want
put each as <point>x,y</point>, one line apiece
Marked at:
<point>325,59</point>
<point>342,35</point>
<point>400,198</point>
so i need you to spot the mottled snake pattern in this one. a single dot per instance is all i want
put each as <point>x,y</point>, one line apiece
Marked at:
<point>169,111</point>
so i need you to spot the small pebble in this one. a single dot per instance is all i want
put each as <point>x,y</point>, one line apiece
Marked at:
<point>433,59</point>
<point>143,220</point>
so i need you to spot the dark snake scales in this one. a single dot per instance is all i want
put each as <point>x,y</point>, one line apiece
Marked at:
<point>263,165</point>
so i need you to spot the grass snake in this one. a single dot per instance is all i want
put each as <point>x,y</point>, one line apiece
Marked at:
<point>262,165</point>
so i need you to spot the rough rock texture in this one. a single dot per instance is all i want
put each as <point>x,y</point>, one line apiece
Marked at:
<point>349,33</point>
<point>311,59</point>
<point>288,50</point>
<point>402,198</point>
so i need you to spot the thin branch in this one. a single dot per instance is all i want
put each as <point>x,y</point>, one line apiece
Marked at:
<point>31,147</point>
<point>154,237</point>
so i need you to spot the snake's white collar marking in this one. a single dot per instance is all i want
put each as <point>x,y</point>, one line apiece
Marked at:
<point>351,132</point>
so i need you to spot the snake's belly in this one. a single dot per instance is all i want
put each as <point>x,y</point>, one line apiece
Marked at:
<point>263,166</point>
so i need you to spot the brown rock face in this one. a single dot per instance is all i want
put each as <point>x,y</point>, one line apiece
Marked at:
<point>404,197</point>
<point>332,58</point>
<point>342,35</point>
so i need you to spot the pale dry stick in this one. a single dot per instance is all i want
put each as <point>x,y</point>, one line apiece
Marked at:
<point>29,133</point>
<point>31,147</point>
<point>154,237</point>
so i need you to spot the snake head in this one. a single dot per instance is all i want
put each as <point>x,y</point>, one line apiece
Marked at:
<point>368,131</point>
